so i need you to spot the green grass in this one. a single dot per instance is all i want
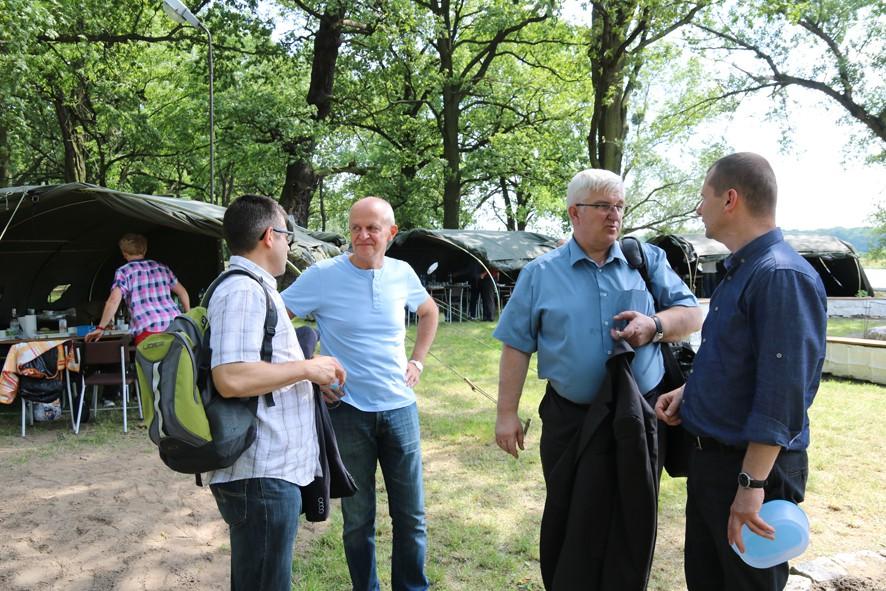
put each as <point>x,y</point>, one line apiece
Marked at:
<point>484,507</point>
<point>852,327</point>
<point>106,431</point>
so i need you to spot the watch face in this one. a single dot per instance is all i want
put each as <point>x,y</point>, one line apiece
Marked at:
<point>745,480</point>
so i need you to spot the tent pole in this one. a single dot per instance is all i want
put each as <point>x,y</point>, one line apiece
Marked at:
<point>24,193</point>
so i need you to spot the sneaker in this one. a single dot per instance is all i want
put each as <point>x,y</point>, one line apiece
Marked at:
<point>108,403</point>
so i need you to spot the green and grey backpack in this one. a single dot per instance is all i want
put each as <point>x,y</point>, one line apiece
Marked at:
<point>195,428</point>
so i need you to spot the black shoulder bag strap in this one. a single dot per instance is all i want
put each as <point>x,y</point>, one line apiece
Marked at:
<point>267,349</point>
<point>674,442</point>
<point>636,257</point>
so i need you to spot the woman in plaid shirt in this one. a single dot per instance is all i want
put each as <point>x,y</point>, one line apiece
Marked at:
<point>147,286</point>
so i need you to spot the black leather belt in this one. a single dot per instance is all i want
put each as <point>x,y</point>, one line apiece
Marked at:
<point>709,443</point>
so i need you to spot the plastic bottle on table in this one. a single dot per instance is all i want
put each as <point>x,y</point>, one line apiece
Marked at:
<point>13,323</point>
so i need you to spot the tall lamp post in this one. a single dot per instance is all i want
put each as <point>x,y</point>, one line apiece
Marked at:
<point>180,14</point>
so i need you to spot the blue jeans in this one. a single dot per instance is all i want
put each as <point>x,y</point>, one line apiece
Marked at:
<point>262,517</point>
<point>390,438</point>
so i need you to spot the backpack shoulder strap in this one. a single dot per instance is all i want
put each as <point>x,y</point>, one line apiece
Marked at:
<point>636,257</point>
<point>270,329</point>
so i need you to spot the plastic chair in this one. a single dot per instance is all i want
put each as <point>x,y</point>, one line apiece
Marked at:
<point>107,363</point>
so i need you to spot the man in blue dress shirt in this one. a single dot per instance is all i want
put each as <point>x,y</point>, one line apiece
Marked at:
<point>571,304</point>
<point>755,376</point>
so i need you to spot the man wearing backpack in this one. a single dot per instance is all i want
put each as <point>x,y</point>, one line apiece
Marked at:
<point>359,300</point>
<point>258,496</point>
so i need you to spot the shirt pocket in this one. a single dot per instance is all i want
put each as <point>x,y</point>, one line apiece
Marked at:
<point>638,300</point>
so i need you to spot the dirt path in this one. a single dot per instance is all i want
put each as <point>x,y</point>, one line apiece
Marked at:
<point>109,517</point>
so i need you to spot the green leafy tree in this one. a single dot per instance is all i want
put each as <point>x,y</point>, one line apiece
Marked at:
<point>468,38</point>
<point>833,48</point>
<point>620,35</point>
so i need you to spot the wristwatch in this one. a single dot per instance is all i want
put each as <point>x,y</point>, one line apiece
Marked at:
<point>745,481</point>
<point>418,365</point>
<point>659,330</point>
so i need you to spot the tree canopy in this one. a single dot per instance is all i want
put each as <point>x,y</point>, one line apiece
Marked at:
<point>454,110</point>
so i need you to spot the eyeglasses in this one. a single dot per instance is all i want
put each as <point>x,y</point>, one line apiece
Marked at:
<point>604,207</point>
<point>290,235</point>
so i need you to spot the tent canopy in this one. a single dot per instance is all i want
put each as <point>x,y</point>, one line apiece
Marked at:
<point>455,251</point>
<point>695,258</point>
<point>59,235</point>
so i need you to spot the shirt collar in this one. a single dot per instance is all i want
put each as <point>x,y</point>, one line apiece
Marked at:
<point>239,261</point>
<point>577,254</point>
<point>753,249</point>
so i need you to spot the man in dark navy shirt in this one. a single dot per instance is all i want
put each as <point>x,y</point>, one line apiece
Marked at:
<point>754,378</point>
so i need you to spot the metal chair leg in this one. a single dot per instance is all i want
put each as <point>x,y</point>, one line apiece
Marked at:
<point>24,412</point>
<point>124,387</point>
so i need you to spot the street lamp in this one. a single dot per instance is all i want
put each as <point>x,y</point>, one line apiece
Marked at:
<point>180,14</point>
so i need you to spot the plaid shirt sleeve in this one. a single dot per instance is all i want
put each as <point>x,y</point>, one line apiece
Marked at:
<point>121,281</point>
<point>236,315</point>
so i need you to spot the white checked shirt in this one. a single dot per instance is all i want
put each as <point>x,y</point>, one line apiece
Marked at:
<point>285,444</point>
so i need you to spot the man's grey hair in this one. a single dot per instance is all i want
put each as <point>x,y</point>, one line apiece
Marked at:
<point>595,181</point>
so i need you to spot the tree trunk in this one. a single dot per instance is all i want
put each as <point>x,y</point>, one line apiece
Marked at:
<point>609,125</point>
<point>452,156</point>
<point>326,44</point>
<point>510,217</point>
<point>72,139</point>
<point>298,189</point>
<point>301,179</point>
<point>522,211</point>
<point>322,205</point>
<point>4,156</point>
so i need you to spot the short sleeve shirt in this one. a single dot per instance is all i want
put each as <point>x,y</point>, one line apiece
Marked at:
<point>285,444</point>
<point>563,306</point>
<point>146,287</point>
<point>361,316</point>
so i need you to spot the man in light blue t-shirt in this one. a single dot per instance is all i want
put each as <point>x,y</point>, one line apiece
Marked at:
<point>359,300</point>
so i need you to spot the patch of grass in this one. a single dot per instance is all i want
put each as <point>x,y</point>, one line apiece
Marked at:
<point>852,327</point>
<point>56,438</point>
<point>873,260</point>
<point>844,495</point>
<point>484,508</point>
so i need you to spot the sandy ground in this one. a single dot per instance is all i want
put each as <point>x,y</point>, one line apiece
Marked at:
<point>107,518</point>
<point>113,517</point>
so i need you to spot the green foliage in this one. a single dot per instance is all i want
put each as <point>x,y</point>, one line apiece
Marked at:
<point>834,48</point>
<point>491,99</point>
<point>878,249</point>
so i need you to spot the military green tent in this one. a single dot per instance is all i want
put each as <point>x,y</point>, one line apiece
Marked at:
<point>455,251</point>
<point>66,235</point>
<point>696,259</point>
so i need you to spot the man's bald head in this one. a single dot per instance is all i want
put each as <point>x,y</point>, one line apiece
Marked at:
<point>376,205</point>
